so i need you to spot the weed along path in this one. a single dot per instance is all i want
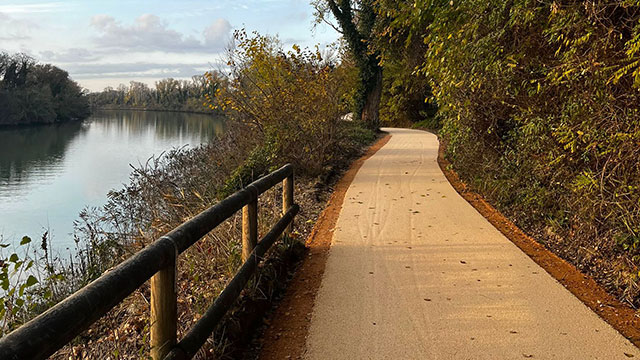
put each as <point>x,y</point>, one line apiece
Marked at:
<point>415,272</point>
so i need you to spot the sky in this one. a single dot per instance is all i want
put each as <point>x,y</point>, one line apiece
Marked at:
<point>110,42</point>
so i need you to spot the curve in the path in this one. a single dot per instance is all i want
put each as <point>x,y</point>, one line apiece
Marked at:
<point>415,272</point>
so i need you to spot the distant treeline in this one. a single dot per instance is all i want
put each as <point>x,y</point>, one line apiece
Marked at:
<point>37,93</point>
<point>168,94</point>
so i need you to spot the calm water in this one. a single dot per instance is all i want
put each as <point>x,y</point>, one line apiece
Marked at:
<point>49,173</point>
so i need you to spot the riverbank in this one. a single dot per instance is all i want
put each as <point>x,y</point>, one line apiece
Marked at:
<point>161,194</point>
<point>184,184</point>
<point>296,121</point>
<point>39,124</point>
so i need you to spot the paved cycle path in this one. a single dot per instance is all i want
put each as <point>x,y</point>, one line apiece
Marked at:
<point>415,272</point>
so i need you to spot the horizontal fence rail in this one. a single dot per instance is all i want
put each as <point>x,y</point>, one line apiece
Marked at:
<point>51,330</point>
<point>198,334</point>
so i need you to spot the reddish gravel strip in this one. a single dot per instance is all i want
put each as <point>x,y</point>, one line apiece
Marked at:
<point>285,338</point>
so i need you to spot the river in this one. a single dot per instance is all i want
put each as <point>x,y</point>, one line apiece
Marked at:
<point>49,173</point>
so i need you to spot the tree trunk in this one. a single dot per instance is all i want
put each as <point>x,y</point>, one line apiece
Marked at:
<point>371,109</point>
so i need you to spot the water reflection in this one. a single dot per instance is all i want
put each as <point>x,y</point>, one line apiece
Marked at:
<point>49,173</point>
<point>164,125</point>
<point>27,147</point>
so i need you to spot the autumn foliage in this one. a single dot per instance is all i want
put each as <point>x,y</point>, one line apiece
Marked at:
<point>292,100</point>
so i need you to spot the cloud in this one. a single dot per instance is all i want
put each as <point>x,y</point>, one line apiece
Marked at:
<point>150,33</point>
<point>137,69</point>
<point>96,76</point>
<point>32,8</point>
<point>69,55</point>
<point>216,35</point>
<point>12,29</point>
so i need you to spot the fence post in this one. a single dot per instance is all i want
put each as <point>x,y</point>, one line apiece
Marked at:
<point>163,312</point>
<point>287,199</point>
<point>249,228</point>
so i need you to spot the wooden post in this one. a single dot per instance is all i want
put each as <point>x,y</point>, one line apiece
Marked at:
<point>163,312</point>
<point>287,199</point>
<point>249,228</point>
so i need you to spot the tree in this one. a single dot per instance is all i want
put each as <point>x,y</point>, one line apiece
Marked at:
<point>14,70</point>
<point>356,22</point>
<point>37,93</point>
<point>401,29</point>
<point>291,100</point>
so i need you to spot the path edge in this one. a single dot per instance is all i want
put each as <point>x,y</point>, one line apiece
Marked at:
<point>617,314</point>
<point>286,335</point>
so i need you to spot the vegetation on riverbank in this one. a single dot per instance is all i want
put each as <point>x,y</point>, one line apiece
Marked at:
<point>539,106</point>
<point>283,106</point>
<point>33,93</point>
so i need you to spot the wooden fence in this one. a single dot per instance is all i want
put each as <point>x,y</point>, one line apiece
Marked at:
<point>51,330</point>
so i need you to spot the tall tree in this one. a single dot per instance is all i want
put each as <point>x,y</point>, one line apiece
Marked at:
<point>37,93</point>
<point>356,21</point>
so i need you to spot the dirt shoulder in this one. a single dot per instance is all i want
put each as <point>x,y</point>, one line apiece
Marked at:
<point>620,316</point>
<point>286,336</point>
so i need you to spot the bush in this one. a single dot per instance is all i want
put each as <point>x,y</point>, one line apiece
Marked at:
<point>292,100</point>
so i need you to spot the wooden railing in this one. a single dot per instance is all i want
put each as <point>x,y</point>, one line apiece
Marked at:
<point>51,330</point>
